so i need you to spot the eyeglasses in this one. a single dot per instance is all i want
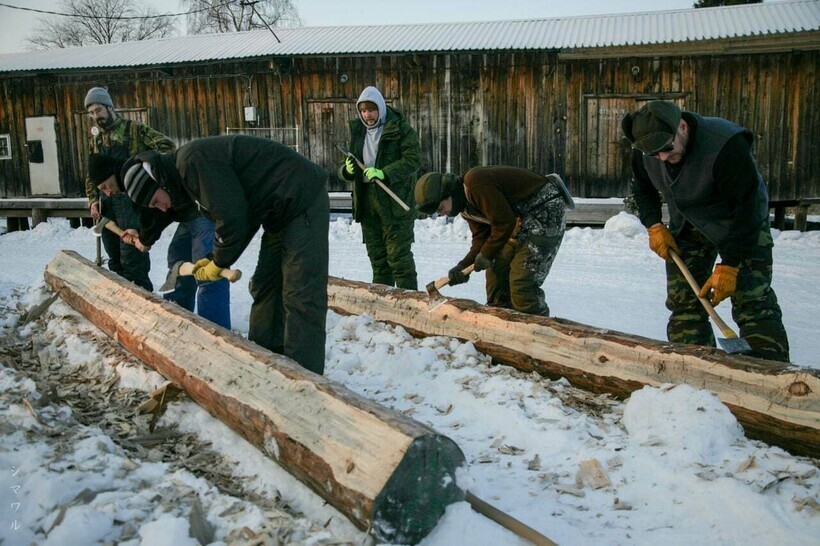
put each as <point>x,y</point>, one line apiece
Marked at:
<point>668,147</point>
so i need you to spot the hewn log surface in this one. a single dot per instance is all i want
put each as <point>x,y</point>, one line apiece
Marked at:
<point>378,467</point>
<point>777,403</point>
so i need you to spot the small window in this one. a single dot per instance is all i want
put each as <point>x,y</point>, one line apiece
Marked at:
<point>5,147</point>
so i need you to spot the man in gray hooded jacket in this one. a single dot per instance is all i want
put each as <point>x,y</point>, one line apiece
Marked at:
<point>390,151</point>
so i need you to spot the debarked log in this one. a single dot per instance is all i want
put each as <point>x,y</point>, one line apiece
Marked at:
<point>775,402</point>
<point>381,469</point>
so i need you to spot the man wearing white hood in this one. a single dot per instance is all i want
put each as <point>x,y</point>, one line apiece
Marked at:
<point>390,151</point>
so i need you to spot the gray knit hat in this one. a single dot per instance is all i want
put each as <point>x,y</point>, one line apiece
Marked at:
<point>653,126</point>
<point>98,95</point>
<point>139,184</point>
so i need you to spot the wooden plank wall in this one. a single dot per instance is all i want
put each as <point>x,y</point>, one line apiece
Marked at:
<point>527,109</point>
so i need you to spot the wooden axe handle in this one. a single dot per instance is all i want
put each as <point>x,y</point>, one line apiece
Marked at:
<point>444,281</point>
<point>381,184</point>
<point>724,328</point>
<point>112,226</point>
<point>233,275</point>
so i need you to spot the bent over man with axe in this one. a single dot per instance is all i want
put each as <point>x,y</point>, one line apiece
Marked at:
<point>517,218</point>
<point>243,183</point>
<point>718,204</point>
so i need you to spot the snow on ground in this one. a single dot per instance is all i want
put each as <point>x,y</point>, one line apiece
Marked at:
<point>680,470</point>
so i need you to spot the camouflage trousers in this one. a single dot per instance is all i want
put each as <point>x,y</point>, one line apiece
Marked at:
<point>389,247</point>
<point>522,266</point>
<point>754,304</point>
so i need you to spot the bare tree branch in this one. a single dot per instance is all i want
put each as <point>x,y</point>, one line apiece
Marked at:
<point>237,15</point>
<point>98,22</point>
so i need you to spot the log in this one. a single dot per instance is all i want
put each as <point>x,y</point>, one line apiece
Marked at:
<point>775,402</point>
<point>378,467</point>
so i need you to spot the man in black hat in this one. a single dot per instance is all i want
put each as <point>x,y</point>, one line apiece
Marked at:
<point>242,183</point>
<point>118,138</point>
<point>718,204</point>
<point>517,218</point>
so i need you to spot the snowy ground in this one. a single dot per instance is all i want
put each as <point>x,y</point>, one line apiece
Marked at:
<point>680,469</point>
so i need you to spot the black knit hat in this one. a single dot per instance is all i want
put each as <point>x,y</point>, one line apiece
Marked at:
<point>138,183</point>
<point>653,126</point>
<point>101,166</point>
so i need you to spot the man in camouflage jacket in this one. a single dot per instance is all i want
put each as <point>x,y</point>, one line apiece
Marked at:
<point>390,151</point>
<point>120,139</point>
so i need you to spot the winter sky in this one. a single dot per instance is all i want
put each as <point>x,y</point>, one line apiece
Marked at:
<point>16,25</point>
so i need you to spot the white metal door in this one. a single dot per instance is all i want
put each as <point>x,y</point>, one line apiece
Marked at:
<point>43,168</point>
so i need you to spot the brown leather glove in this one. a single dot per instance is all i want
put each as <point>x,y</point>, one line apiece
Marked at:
<point>721,285</point>
<point>661,240</point>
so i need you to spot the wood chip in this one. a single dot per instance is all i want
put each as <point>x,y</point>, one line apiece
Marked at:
<point>592,474</point>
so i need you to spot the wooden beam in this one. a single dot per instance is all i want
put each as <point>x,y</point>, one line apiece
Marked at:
<point>378,467</point>
<point>775,402</point>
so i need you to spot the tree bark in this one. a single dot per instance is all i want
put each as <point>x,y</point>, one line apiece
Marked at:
<point>378,467</point>
<point>775,402</point>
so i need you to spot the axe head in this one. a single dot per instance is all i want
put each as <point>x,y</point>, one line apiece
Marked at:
<point>99,227</point>
<point>435,297</point>
<point>344,150</point>
<point>734,345</point>
<point>171,280</point>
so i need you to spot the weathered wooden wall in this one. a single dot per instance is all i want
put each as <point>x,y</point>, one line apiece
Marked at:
<point>528,109</point>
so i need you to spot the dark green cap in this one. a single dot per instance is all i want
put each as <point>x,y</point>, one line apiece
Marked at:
<point>432,189</point>
<point>653,126</point>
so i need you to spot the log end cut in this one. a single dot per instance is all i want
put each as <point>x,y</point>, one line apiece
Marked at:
<point>419,491</point>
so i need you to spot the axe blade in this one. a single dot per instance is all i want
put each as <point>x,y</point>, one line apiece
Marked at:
<point>99,227</point>
<point>435,298</point>
<point>734,345</point>
<point>170,283</point>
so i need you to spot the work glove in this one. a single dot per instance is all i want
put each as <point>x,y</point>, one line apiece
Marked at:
<point>721,285</point>
<point>208,272</point>
<point>482,262</point>
<point>200,263</point>
<point>661,240</point>
<point>350,166</point>
<point>372,172</point>
<point>457,276</point>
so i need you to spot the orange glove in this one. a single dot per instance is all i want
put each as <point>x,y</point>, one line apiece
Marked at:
<point>722,284</point>
<point>661,240</point>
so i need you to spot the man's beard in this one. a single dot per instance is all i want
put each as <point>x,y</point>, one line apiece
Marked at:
<point>105,123</point>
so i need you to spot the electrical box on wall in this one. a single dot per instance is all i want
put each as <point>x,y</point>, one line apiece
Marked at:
<point>250,113</point>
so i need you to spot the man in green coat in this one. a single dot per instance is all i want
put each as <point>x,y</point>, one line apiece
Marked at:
<point>390,152</point>
<point>118,138</point>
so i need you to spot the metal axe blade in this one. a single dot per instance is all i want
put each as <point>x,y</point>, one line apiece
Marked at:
<point>171,280</point>
<point>99,227</point>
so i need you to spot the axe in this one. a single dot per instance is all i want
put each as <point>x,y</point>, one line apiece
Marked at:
<point>436,299</point>
<point>381,184</point>
<point>111,225</point>
<point>732,344</point>
<point>187,268</point>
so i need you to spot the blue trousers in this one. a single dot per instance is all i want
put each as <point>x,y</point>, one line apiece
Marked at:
<point>192,241</point>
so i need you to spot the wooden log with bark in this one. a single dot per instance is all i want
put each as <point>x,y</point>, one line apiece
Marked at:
<point>774,402</point>
<point>378,467</point>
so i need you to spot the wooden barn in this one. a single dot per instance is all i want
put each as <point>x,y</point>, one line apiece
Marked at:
<point>544,94</point>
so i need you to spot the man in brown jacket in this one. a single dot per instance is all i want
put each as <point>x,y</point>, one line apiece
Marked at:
<point>517,218</point>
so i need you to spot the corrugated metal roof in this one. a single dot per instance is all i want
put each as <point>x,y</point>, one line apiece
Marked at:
<point>566,33</point>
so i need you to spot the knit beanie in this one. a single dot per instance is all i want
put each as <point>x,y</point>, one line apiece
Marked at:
<point>98,95</point>
<point>139,185</point>
<point>101,166</point>
<point>433,188</point>
<point>653,126</point>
